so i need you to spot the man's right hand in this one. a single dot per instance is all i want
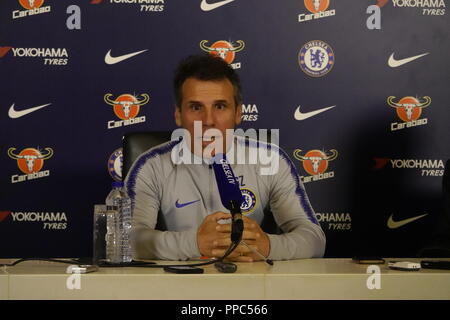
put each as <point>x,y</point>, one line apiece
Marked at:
<point>208,233</point>
<point>214,238</point>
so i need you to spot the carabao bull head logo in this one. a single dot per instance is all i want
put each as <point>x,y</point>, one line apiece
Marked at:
<point>315,6</point>
<point>126,106</point>
<point>30,4</point>
<point>30,160</point>
<point>315,161</point>
<point>409,108</point>
<point>223,49</point>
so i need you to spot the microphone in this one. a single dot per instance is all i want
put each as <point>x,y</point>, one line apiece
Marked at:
<point>231,198</point>
<point>230,194</point>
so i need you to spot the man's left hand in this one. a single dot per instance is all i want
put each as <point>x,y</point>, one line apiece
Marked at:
<point>260,242</point>
<point>253,236</point>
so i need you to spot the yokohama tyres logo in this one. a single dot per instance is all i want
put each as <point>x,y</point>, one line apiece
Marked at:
<point>50,56</point>
<point>49,220</point>
<point>426,167</point>
<point>335,221</point>
<point>143,5</point>
<point>426,7</point>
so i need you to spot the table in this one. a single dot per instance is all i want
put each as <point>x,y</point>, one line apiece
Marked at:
<point>4,285</point>
<point>286,280</point>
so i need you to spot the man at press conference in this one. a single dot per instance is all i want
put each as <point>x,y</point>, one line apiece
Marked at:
<point>208,96</point>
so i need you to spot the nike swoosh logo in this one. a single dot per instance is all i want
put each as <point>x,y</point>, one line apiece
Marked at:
<point>14,114</point>
<point>114,60</point>
<point>298,115</point>
<point>205,6</point>
<point>181,205</point>
<point>397,224</point>
<point>393,63</point>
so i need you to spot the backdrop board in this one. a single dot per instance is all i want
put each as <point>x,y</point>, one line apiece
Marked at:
<point>357,88</point>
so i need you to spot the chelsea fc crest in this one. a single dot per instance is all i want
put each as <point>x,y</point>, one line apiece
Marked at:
<point>115,163</point>
<point>316,58</point>
<point>248,201</point>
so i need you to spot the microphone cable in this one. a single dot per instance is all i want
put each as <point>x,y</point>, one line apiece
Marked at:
<point>105,264</point>
<point>237,229</point>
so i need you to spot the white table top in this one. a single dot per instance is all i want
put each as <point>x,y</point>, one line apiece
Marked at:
<point>286,280</point>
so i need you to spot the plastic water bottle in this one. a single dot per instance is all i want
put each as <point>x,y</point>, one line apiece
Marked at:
<point>118,225</point>
<point>110,236</point>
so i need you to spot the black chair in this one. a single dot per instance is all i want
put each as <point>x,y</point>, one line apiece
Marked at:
<point>136,143</point>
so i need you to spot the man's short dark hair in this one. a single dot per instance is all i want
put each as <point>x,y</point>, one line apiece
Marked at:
<point>206,68</point>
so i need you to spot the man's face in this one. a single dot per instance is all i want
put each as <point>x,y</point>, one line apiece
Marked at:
<point>212,103</point>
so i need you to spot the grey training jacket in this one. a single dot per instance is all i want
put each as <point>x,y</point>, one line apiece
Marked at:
<point>187,193</point>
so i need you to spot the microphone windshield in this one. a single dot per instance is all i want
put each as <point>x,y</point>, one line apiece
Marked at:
<point>226,182</point>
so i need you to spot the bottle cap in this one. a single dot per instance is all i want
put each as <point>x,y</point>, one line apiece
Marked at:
<point>117,184</point>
